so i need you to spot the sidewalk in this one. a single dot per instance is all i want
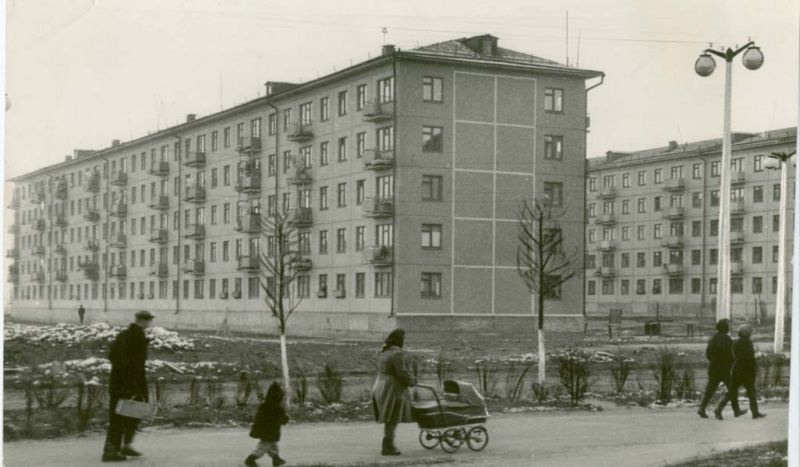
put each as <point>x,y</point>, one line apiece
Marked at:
<point>636,437</point>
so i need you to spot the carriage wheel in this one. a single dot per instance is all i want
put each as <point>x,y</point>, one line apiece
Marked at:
<point>428,439</point>
<point>477,438</point>
<point>452,439</point>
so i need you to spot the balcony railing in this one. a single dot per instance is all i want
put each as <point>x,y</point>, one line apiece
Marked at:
<point>377,159</point>
<point>673,269</point>
<point>249,223</point>
<point>674,184</point>
<point>605,219</point>
<point>195,159</point>
<point>299,175</point>
<point>61,276</point>
<point>195,231</point>
<point>248,263</point>
<point>61,249</point>
<point>737,237</point>
<point>607,193</point>
<point>93,183</point>
<point>674,213</point>
<point>158,236</point>
<point>119,179</point>
<point>195,194</point>
<point>300,133</point>
<point>119,271</point>
<point>737,178</point>
<point>119,240</point>
<point>249,144</point>
<point>378,207</point>
<point>38,250</point>
<point>249,184</point>
<point>605,272</point>
<point>300,217</point>
<point>119,210</point>
<point>92,245</point>
<point>378,255</point>
<point>92,215</point>
<point>39,224</point>
<point>672,241</point>
<point>61,220</point>
<point>62,190</point>
<point>375,111</point>
<point>90,270</point>
<point>737,267</point>
<point>160,169</point>
<point>160,203</point>
<point>737,207</point>
<point>160,270</point>
<point>607,245</point>
<point>195,266</point>
<point>300,263</point>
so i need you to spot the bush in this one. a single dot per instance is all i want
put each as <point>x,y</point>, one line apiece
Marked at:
<point>486,377</point>
<point>540,393</point>
<point>573,371</point>
<point>50,392</point>
<point>684,385</point>
<point>244,389</point>
<point>620,372</point>
<point>299,385</point>
<point>91,398</point>
<point>194,391</point>
<point>770,370</point>
<point>329,384</point>
<point>515,380</point>
<point>665,373</point>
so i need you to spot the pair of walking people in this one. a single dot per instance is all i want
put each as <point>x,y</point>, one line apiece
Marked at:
<point>734,365</point>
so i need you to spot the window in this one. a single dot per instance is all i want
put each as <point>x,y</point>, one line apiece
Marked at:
<point>323,109</point>
<point>713,227</point>
<point>590,262</point>
<point>272,124</point>
<point>775,253</point>
<point>592,184</point>
<point>757,255</point>
<point>360,237</point>
<point>656,286</point>
<point>553,147</point>
<point>432,236</point>
<point>431,285</point>
<point>657,231</point>
<point>713,256</point>
<point>432,89</point>
<point>591,288</point>
<point>342,103</point>
<point>676,286</point>
<point>626,233</point>
<point>714,198</point>
<point>287,119</point>
<point>342,149</point>
<point>553,195</point>
<point>642,178</point>
<point>341,195</point>
<point>625,260</point>
<point>758,224</point>
<point>715,168</point>
<point>626,180</point>
<point>322,286</point>
<point>323,153</point>
<point>341,240</point>
<point>657,259</point>
<point>658,176</point>
<point>383,284</point>
<point>361,144</point>
<point>607,287</point>
<point>386,90</point>
<point>640,234</point>
<point>737,285</point>
<point>696,285</point>
<point>657,203</point>
<point>776,192</point>
<point>624,287</point>
<point>697,257</point>
<point>696,170</point>
<point>757,167</point>
<point>305,114</point>
<point>360,286</point>
<point>361,96</point>
<point>360,192</point>
<point>640,206</point>
<point>554,100</point>
<point>697,199</point>
<point>385,139</point>
<point>676,172</point>
<point>340,285</point>
<point>432,139</point>
<point>431,188</point>
<point>641,260</point>
<point>776,222</point>
<point>712,285</point>
<point>226,175</point>
<point>758,194</point>
<point>640,287</point>
<point>626,206</point>
<point>757,286</point>
<point>323,242</point>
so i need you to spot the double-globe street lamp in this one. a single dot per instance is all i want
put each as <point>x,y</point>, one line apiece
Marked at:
<point>704,66</point>
<point>780,160</point>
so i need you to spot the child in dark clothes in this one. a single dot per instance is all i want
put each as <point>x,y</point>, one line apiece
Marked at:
<point>267,427</point>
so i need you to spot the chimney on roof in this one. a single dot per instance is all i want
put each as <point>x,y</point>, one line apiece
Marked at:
<point>114,143</point>
<point>190,117</point>
<point>673,145</point>
<point>387,49</point>
<point>68,158</point>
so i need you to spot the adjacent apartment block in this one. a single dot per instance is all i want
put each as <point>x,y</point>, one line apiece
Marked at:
<point>403,175</point>
<point>652,228</point>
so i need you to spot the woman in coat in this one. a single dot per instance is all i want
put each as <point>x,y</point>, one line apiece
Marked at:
<point>390,398</point>
<point>744,369</point>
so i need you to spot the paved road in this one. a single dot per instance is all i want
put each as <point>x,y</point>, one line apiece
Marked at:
<point>622,437</point>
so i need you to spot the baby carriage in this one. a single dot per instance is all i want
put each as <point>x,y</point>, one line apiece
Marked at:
<point>452,420</point>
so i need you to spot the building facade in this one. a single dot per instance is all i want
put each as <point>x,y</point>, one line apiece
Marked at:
<point>403,176</point>
<point>652,228</point>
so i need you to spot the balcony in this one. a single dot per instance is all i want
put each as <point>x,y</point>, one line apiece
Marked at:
<point>118,271</point>
<point>195,194</point>
<point>250,263</point>
<point>195,159</point>
<point>674,213</point>
<point>160,270</point>
<point>607,193</point>
<point>299,175</point>
<point>378,255</point>
<point>675,185</point>
<point>737,237</point>
<point>36,277</point>
<point>61,191</point>
<point>159,169</point>
<point>377,112</point>
<point>158,236</point>
<point>13,229</point>
<point>93,183</point>
<point>90,270</point>
<point>605,219</point>
<point>92,215</point>
<point>37,197</point>
<point>249,223</point>
<point>38,250</point>
<point>605,272</point>
<point>673,269</point>
<point>61,220</point>
<point>39,225</point>
<point>607,245</point>
<point>378,207</point>
<point>672,241</point>
<point>119,240</point>
<point>737,268</point>
<point>299,133</point>
<point>15,203</point>
<point>61,249</point>
<point>737,207</point>
<point>195,266</point>
<point>159,203</point>
<point>92,245</point>
<point>738,178</point>
<point>119,179</point>
<point>61,276</point>
<point>376,159</point>
<point>12,253</point>
<point>119,209</point>
<point>195,231</point>
<point>248,145</point>
<point>300,263</point>
<point>249,184</point>
<point>300,217</point>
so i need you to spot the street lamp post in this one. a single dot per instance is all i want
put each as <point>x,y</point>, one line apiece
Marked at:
<point>780,160</point>
<point>704,66</point>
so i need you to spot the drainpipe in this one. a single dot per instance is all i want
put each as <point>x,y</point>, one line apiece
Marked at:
<point>106,265</point>
<point>392,311</point>
<point>586,166</point>
<point>180,223</point>
<point>703,233</point>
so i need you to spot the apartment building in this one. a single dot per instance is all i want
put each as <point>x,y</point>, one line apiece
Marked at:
<point>403,176</point>
<point>652,228</point>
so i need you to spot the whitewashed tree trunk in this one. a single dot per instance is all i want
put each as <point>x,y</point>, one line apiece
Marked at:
<point>287,382</point>
<point>541,373</point>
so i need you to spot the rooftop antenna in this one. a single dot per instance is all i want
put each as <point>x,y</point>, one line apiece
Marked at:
<point>578,58</point>
<point>384,31</point>
<point>567,38</point>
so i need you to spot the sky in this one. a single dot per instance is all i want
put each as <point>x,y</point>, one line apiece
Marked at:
<point>83,72</point>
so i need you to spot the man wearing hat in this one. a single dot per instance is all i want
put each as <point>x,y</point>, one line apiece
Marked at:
<point>127,381</point>
<point>744,369</point>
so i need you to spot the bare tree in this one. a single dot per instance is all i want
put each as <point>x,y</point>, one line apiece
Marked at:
<point>542,262</point>
<point>279,273</point>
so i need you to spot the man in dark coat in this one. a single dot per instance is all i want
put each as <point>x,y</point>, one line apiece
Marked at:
<point>720,359</point>
<point>744,369</point>
<point>81,312</point>
<point>127,381</point>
